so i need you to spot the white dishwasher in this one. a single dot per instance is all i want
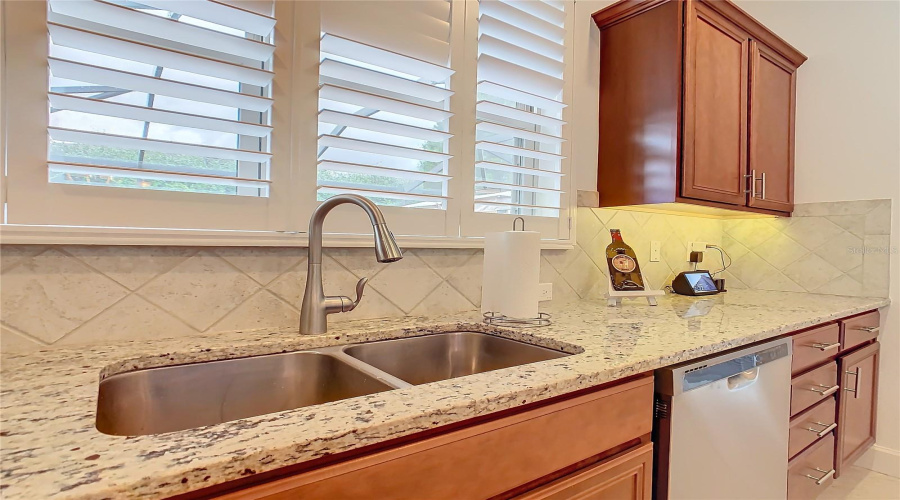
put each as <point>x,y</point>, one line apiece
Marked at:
<point>721,425</point>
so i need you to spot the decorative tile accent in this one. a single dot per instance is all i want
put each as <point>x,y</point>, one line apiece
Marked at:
<point>132,318</point>
<point>262,310</point>
<point>260,263</point>
<point>467,278</point>
<point>406,282</point>
<point>10,255</point>
<point>201,290</point>
<point>51,294</point>
<point>443,300</point>
<point>835,248</point>
<point>445,260</point>
<point>131,266</point>
<point>81,294</point>
<point>11,341</point>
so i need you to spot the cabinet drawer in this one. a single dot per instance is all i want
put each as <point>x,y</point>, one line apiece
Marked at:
<point>627,477</point>
<point>806,428</point>
<point>815,347</point>
<point>859,330</point>
<point>810,388</point>
<point>812,471</point>
<point>484,460</point>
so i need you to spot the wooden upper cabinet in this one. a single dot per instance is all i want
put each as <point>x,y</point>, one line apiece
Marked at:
<point>695,96</point>
<point>773,82</point>
<point>715,108</point>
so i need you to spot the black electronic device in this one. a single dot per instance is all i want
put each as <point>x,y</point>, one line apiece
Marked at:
<point>694,283</point>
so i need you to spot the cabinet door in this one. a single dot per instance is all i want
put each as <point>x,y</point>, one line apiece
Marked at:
<point>772,102</point>
<point>627,477</point>
<point>856,405</point>
<point>715,108</point>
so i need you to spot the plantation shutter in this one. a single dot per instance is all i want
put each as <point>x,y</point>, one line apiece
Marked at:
<point>383,121</point>
<point>519,143</point>
<point>160,95</point>
<point>158,106</point>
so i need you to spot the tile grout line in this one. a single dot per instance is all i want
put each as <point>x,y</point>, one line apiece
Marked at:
<point>391,302</point>
<point>22,261</point>
<point>128,293</point>
<point>24,334</point>
<point>136,292</point>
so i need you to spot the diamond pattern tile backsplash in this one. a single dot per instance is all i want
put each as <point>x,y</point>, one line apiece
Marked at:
<point>63,295</point>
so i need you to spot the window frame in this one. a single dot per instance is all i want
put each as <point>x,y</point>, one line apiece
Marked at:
<point>278,220</point>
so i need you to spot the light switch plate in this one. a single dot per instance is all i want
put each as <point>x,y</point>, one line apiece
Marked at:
<point>654,251</point>
<point>545,292</point>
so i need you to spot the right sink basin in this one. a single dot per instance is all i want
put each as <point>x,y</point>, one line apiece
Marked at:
<point>419,360</point>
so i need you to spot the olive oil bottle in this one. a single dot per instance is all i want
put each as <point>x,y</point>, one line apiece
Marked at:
<point>624,271</point>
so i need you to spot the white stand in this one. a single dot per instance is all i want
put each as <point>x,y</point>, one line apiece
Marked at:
<point>614,297</point>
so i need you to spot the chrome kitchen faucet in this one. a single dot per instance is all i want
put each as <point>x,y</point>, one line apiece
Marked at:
<point>316,305</point>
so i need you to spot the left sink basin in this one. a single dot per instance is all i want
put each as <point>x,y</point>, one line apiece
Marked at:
<point>174,398</point>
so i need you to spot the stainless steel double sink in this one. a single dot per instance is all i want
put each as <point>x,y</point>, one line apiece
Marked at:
<point>173,398</point>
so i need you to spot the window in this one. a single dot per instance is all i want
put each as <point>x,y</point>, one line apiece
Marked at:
<point>384,109</point>
<point>520,90</point>
<point>144,115</point>
<point>166,115</point>
<point>177,101</point>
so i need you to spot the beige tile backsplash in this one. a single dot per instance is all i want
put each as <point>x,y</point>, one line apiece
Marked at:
<point>63,295</point>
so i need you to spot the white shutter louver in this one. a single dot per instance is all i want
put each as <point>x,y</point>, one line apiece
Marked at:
<point>383,116</point>
<point>519,107</point>
<point>160,94</point>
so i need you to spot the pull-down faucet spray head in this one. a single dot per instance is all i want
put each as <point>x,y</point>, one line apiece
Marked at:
<point>386,249</point>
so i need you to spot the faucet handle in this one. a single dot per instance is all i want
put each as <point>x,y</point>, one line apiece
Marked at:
<point>360,288</point>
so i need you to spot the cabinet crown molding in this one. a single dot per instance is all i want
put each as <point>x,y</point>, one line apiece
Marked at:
<point>626,9</point>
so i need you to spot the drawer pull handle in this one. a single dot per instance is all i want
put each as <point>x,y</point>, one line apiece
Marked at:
<point>858,375</point>
<point>825,475</point>
<point>869,329</point>
<point>825,390</point>
<point>824,347</point>
<point>827,428</point>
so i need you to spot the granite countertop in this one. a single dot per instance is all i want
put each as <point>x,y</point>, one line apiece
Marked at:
<point>51,449</point>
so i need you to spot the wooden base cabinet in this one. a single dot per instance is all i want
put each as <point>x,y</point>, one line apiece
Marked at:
<point>697,106</point>
<point>593,445</point>
<point>833,401</point>
<point>857,404</point>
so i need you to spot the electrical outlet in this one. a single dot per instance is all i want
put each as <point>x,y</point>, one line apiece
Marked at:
<point>694,246</point>
<point>545,291</point>
<point>654,251</point>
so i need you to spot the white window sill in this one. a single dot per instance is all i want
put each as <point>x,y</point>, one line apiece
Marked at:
<point>14,234</point>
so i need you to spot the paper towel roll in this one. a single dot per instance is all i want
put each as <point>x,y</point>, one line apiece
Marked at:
<point>512,267</point>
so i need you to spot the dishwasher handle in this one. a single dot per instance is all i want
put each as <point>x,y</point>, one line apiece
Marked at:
<point>743,379</point>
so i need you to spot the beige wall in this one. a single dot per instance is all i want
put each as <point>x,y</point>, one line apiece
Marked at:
<point>848,125</point>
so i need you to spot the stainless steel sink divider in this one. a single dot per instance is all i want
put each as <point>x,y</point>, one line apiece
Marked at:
<point>338,352</point>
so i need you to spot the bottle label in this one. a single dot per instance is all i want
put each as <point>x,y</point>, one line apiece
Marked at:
<point>624,263</point>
